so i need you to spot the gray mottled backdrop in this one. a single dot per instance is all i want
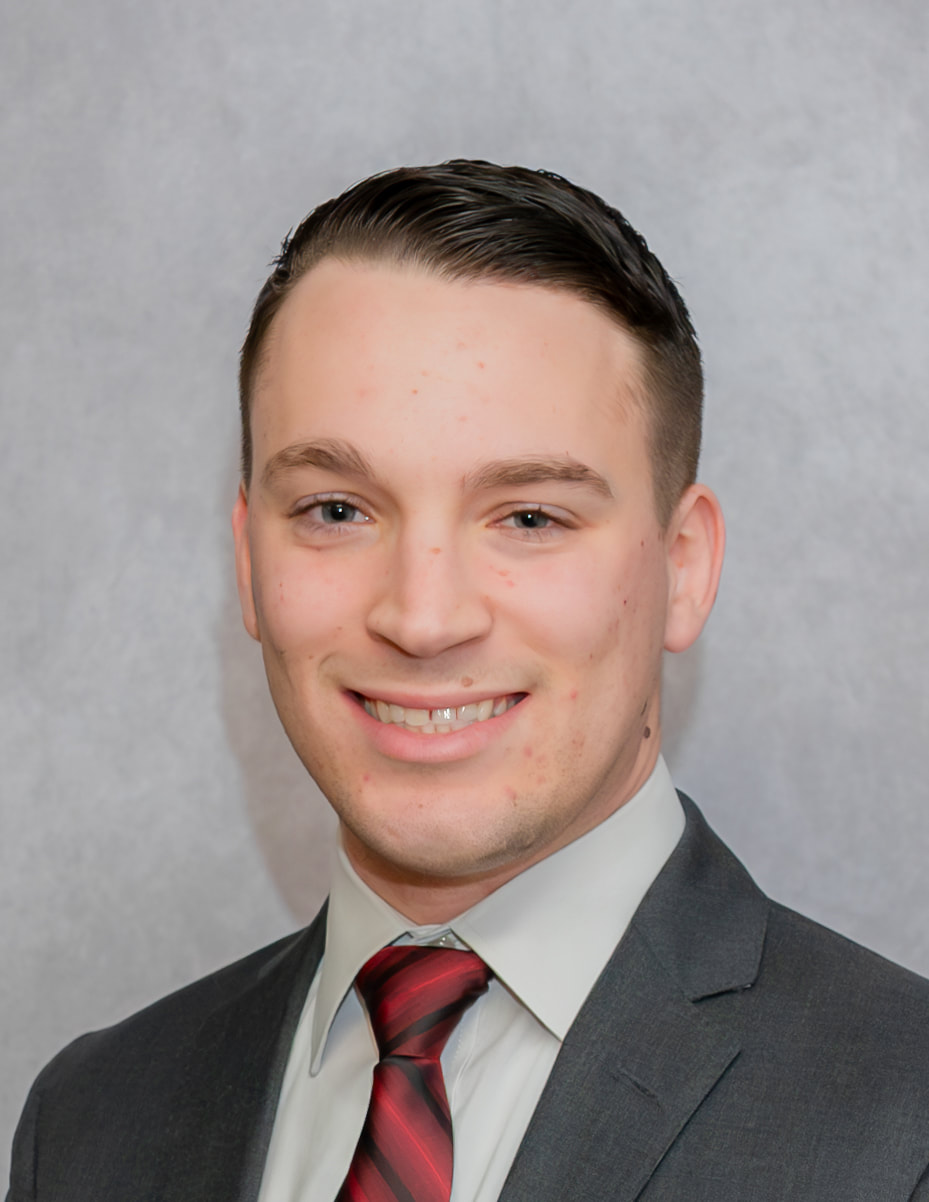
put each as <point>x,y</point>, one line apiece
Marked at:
<point>154,822</point>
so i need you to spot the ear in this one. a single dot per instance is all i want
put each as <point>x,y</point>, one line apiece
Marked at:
<point>696,541</point>
<point>243,563</point>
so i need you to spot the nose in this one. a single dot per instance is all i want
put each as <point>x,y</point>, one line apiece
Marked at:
<point>429,603</point>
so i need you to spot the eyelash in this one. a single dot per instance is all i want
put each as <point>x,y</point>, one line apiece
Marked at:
<point>307,508</point>
<point>536,533</point>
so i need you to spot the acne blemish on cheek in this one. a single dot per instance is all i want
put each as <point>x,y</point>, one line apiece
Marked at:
<point>510,793</point>
<point>527,752</point>
<point>480,364</point>
<point>367,777</point>
<point>573,695</point>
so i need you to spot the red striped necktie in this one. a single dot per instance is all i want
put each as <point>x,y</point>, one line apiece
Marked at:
<point>415,997</point>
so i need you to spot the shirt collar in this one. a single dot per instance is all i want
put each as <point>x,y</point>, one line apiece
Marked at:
<point>546,934</point>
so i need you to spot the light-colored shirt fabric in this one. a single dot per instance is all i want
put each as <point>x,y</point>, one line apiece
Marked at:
<point>546,934</point>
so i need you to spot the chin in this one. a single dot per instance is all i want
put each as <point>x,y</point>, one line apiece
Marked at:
<point>465,846</point>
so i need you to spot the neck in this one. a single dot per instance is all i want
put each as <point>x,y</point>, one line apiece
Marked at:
<point>428,899</point>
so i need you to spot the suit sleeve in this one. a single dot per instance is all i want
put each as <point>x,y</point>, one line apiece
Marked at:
<point>921,1193</point>
<point>23,1161</point>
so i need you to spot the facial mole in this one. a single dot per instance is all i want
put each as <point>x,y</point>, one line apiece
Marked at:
<point>466,682</point>
<point>414,391</point>
<point>647,732</point>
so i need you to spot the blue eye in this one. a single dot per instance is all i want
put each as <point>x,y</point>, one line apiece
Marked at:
<point>334,513</point>
<point>531,519</point>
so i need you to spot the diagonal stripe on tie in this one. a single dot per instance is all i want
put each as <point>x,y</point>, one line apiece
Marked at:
<point>415,997</point>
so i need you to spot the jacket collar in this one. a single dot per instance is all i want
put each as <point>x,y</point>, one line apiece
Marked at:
<point>219,1125</point>
<point>642,1054</point>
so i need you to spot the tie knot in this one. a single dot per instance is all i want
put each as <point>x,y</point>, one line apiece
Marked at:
<point>416,995</point>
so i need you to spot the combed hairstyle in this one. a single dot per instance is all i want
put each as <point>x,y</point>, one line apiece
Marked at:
<point>472,220</point>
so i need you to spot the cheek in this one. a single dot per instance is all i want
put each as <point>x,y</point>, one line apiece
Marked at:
<point>301,601</point>
<point>592,611</point>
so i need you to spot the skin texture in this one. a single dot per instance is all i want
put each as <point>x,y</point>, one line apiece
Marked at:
<point>452,500</point>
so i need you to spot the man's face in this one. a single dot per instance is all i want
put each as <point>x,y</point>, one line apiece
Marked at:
<point>450,554</point>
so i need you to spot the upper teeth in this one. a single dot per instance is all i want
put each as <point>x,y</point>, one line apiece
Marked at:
<point>440,721</point>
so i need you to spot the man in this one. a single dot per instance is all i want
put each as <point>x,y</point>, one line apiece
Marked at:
<point>467,530</point>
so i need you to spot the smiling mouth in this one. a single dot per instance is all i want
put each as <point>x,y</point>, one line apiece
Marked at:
<point>441,721</point>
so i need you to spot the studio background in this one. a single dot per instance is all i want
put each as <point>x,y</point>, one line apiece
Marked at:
<point>155,823</point>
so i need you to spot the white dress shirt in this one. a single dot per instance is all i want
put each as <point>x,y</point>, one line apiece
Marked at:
<point>546,934</point>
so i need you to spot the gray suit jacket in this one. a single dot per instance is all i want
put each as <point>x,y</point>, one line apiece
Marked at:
<point>732,1051</point>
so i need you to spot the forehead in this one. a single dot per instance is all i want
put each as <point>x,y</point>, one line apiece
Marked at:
<point>373,349</point>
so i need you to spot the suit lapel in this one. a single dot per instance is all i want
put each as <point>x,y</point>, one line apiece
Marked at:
<point>642,1055</point>
<point>221,1120</point>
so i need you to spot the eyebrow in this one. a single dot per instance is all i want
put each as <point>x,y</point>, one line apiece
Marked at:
<point>504,473</point>
<point>328,454</point>
<point>342,458</point>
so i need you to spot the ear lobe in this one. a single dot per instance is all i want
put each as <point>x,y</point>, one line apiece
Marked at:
<point>697,541</point>
<point>243,563</point>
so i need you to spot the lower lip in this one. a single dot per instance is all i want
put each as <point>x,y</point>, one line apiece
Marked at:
<point>398,743</point>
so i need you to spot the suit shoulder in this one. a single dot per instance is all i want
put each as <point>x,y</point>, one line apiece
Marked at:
<point>830,992</point>
<point>163,1032</point>
<point>807,948</point>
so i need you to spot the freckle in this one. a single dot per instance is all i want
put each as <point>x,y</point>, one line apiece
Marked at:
<point>501,571</point>
<point>647,733</point>
<point>435,550</point>
<point>414,391</point>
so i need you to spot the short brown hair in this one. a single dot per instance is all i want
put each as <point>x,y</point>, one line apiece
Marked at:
<point>472,220</point>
